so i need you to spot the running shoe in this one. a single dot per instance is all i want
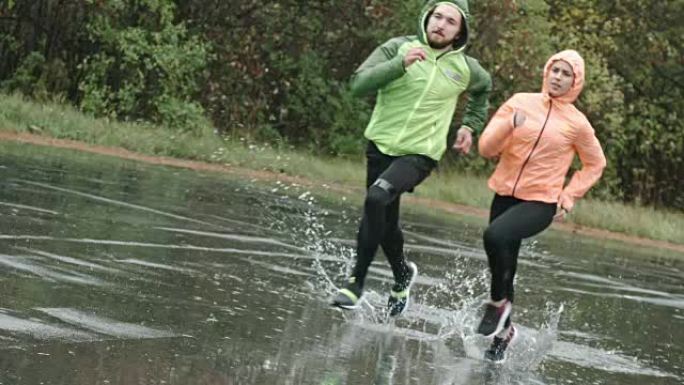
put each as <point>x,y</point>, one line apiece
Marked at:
<point>494,318</point>
<point>399,295</point>
<point>497,350</point>
<point>350,297</point>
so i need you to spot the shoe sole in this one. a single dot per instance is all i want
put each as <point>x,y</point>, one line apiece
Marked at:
<point>348,307</point>
<point>502,321</point>
<point>356,305</point>
<point>499,362</point>
<point>408,289</point>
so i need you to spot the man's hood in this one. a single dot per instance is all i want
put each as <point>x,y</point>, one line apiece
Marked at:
<point>462,6</point>
<point>577,63</point>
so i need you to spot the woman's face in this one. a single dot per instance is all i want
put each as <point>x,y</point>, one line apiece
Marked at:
<point>560,78</point>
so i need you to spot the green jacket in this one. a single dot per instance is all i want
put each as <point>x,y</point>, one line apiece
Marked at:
<point>415,105</point>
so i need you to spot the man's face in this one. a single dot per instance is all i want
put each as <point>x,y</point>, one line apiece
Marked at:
<point>560,78</point>
<point>443,26</point>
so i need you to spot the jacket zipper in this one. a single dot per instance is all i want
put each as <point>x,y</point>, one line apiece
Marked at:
<point>418,103</point>
<point>522,168</point>
<point>422,96</point>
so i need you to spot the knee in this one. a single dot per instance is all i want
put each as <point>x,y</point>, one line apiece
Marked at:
<point>377,197</point>
<point>493,239</point>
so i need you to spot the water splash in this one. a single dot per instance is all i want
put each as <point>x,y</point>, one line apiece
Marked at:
<point>443,311</point>
<point>528,350</point>
<point>309,233</point>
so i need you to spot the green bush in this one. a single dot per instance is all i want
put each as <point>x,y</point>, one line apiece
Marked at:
<point>145,69</point>
<point>38,78</point>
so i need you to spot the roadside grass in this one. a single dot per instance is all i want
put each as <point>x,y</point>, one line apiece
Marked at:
<point>645,222</point>
<point>65,122</point>
<point>455,187</point>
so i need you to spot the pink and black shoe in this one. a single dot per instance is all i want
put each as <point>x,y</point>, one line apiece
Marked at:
<point>494,318</point>
<point>497,350</point>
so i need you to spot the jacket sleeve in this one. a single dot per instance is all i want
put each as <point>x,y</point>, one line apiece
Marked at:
<point>480,86</point>
<point>593,161</point>
<point>498,129</point>
<point>380,68</point>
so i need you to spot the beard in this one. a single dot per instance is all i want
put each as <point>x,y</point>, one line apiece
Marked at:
<point>440,44</point>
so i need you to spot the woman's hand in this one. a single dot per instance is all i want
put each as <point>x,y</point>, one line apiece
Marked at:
<point>561,213</point>
<point>564,206</point>
<point>519,118</point>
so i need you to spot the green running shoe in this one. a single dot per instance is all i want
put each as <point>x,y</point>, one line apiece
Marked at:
<point>349,298</point>
<point>399,295</point>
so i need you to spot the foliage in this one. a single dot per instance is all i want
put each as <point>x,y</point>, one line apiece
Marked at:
<point>126,59</point>
<point>634,93</point>
<point>145,67</point>
<point>277,72</point>
<point>38,79</point>
<point>280,71</point>
<point>513,56</point>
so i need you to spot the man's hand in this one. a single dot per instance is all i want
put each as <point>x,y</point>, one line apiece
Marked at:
<point>464,139</point>
<point>413,55</point>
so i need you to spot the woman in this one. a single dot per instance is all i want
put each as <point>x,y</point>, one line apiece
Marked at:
<point>535,136</point>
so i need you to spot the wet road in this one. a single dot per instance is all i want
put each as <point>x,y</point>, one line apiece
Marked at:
<point>114,272</point>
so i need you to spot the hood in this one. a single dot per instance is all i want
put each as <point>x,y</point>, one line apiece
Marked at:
<point>577,63</point>
<point>462,6</point>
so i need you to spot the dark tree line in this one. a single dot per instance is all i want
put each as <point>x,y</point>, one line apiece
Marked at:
<point>278,71</point>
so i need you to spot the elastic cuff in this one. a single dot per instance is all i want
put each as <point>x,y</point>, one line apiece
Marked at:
<point>398,67</point>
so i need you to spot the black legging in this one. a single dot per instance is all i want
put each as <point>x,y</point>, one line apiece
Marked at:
<point>387,177</point>
<point>510,221</point>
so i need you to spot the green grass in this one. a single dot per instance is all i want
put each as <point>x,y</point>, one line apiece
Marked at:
<point>451,186</point>
<point>61,121</point>
<point>65,122</point>
<point>634,220</point>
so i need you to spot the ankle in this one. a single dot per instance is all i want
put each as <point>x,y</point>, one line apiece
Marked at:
<point>506,332</point>
<point>498,303</point>
<point>354,284</point>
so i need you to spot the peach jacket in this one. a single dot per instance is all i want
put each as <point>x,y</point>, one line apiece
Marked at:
<point>535,157</point>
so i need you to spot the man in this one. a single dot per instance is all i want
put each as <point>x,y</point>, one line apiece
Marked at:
<point>418,80</point>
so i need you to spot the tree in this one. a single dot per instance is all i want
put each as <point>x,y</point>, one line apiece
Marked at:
<point>144,66</point>
<point>636,49</point>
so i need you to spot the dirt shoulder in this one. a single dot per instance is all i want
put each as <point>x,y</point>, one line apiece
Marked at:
<point>268,175</point>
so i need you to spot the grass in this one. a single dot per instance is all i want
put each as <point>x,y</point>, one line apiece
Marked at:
<point>644,222</point>
<point>65,122</point>
<point>62,121</point>
<point>451,186</point>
